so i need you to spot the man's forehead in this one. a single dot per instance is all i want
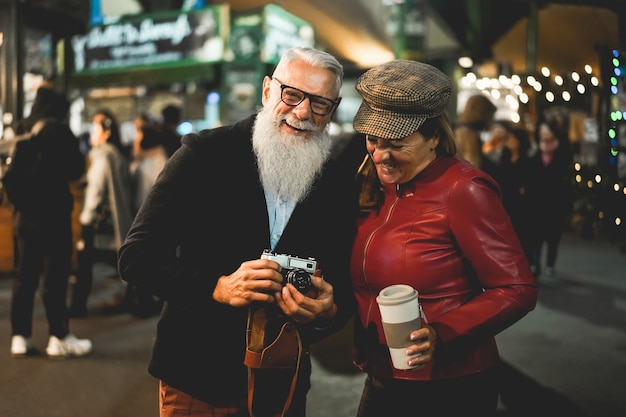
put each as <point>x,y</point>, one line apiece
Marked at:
<point>314,80</point>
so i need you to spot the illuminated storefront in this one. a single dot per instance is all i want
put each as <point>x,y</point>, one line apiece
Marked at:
<point>209,60</point>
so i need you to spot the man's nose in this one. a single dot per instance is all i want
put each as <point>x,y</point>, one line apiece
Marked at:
<point>303,110</point>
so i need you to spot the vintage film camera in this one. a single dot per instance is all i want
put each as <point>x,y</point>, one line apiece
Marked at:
<point>296,271</point>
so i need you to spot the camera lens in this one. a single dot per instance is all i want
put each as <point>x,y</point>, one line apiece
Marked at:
<point>300,279</point>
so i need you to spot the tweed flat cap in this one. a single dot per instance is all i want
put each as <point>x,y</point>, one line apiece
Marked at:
<point>399,96</point>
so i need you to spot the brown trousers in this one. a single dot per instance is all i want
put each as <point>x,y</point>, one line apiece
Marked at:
<point>175,403</point>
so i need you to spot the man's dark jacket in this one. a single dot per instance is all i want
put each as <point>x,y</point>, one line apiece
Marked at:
<point>205,216</point>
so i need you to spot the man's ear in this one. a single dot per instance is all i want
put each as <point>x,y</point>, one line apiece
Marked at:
<point>265,95</point>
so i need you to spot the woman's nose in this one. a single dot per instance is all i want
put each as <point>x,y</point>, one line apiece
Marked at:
<point>378,154</point>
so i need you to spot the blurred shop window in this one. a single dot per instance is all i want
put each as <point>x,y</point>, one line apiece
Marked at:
<point>211,115</point>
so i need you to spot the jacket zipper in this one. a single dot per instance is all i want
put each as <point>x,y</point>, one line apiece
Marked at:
<point>365,249</point>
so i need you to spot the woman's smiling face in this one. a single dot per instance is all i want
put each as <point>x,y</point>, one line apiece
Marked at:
<point>400,160</point>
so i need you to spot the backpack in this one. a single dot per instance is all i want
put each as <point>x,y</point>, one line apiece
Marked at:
<point>21,170</point>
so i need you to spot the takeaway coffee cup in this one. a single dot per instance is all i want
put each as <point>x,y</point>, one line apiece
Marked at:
<point>400,313</point>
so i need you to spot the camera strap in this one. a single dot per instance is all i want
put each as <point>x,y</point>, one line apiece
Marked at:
<point>273,354</point>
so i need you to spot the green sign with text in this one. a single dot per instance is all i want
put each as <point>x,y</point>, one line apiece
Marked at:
<point>159,40</point>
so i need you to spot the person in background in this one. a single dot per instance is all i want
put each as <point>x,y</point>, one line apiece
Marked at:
<point>149,156</point>
<point>551,192</point>
<point>171,115</point>
<point>37,184</point>
<point>495,146</point>
<point>106,210</point>
<point>474,122</point>
<point>513,173</point>
<point>435,222</point>
<point>228,194</point>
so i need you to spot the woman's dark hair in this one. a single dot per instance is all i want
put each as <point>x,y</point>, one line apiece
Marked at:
<point>109,124</point>
<point>441,126</point>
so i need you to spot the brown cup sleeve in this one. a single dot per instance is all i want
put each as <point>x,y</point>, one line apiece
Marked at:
<point>397,334</point>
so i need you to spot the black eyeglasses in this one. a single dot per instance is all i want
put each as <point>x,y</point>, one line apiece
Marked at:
<point>292,96</point>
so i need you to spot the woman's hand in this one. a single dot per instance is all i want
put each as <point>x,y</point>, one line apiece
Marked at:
<point>426,341</point>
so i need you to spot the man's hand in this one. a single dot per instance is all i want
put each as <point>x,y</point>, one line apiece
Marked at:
<point>302,308</point>
<point>256,280</point>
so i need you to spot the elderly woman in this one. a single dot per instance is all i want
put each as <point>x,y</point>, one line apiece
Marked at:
<point>435,222</point>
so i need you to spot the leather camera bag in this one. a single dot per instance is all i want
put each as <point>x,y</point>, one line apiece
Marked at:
<point>272,343</point>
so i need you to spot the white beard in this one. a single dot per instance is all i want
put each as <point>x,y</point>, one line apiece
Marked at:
<point>288,164</point>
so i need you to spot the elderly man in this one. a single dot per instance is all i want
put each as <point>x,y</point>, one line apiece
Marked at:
<point>227,195</point>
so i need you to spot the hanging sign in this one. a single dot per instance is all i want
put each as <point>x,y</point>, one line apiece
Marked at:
<point>157,40</point>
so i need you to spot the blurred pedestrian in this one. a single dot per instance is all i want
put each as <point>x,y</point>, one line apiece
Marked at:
<point>149,156</point>
<point>434,222</point>
<point>38,186</point>
<point>511,169</point>
<point>106,211</point>
<point>552,193</point>
<point>223,198</point>
<point>473,124</point>
<point>495,145</point>
<point>171,115</point>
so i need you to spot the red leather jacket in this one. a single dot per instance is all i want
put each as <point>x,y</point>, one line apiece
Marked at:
<point>446,234</point>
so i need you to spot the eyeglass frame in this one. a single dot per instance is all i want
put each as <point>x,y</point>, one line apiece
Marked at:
<point>305,95</point>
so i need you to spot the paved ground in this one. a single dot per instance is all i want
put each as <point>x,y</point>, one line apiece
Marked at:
<point>566,358</point>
